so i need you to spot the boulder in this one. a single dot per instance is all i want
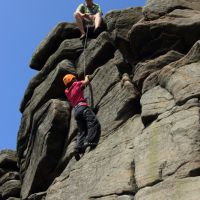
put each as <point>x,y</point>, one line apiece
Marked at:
<point>68,154</point>
<point>40,77</point>
<point>11,189</point>
<point>52,87</point>
<point>143,69</point>
<point>97,53</point>
<point>151,81</point>
<point>51,43</point>
<point>8,160</point>
<point>108,74</point>
<point>121,21</point>
<point>178,30</point>
<point>9,176</point>
<point>68,49</point>
<point>184,189</point>
<point>181,78</point>
<point>157,8</point>
<point>47,147</point>
<point>167,145</point>
<point>117,106</point>
<point>154,102</point>
<point>94,175</point>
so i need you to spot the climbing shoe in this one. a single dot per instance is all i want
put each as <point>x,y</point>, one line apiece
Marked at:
<point>77,156</point>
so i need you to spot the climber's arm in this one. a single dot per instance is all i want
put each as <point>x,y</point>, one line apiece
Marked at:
<point>86,80</point>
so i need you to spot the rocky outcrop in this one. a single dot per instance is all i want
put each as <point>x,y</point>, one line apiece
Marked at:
<point>119,22</point>
<point>171,32</point>
<point>145,92</point>
<point>47,147</point>
<point>107,170</point>
<point>155,9</point>
<point>51,43</point>
<point>171,190</point>
<point>10,184</point>
<point>98,52</point>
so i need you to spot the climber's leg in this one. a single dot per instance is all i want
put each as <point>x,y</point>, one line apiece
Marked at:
<point>93,127</point>
<point>79,21</point>
<point>82,127</point>
<point>97,20</point>
<point>81,135</point>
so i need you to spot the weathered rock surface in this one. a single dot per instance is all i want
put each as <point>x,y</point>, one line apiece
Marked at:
<point>117,197</point>
<point>96,54</point>
<point>182,80</point>
<point>119,101</point>
<point>171,32</point>
<point>157,8</point>
<point>9,176</point>
<point>37,196</point>
<point>11,189</point>
<point>143,69</point>
<point>184,189</point>
<point>51,88</point>
<point>109,74</point>
<point>154,102</point>
<point>100,168</point>
<point>10,185</point>
<point>52,42</point>
<point>145,92</point>
<point>40,77</point>
<point>8,160</point>
<point>46,150</point>
<point>121,21</point>
<point>151,81</point>
<point>167,145</point>
<point>13,198</point>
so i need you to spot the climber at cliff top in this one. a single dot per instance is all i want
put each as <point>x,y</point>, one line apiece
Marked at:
<point>88,11</point>
<point>87,122</point>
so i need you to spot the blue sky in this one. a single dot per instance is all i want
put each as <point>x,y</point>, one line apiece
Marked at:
<point>24,24</point>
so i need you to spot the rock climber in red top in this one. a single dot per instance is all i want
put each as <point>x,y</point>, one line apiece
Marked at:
<point>87,122</point>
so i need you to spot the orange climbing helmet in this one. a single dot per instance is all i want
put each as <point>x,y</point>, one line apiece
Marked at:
<point>68,78</point>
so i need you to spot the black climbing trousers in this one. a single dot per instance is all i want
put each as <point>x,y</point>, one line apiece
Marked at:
<point>88,125</point>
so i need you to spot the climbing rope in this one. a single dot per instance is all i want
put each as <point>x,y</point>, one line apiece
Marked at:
<point>84,47</point>
<point>84,67</point>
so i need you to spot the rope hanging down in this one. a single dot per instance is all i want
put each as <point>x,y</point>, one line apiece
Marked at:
<point>84,47</point>
<point>84,68</point>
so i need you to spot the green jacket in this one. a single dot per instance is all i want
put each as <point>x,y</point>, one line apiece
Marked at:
<point>83,8</point>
